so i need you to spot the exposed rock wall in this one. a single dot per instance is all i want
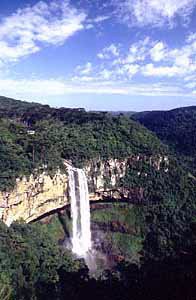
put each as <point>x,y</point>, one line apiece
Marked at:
<point>34,197</point>
<point>104,176</point>
<point>39,195</point>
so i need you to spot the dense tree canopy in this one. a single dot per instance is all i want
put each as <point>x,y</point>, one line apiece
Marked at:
<point>177,129</point>
<point>34,265</point>
<point>31,139</point>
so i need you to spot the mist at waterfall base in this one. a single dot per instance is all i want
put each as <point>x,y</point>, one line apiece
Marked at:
<point>81,240</point>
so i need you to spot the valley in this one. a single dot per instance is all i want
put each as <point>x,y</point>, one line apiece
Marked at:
<point>142,193</point>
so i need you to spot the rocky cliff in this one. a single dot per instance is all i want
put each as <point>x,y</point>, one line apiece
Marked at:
<point>104,176</point>
<point>34,197</point>
<point>39,195</point>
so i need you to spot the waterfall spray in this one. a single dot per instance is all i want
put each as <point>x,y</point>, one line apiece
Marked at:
<point>80,211</point>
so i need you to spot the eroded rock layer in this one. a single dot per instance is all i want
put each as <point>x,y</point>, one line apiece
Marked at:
<point>38,195</point>
<point>34,197</point>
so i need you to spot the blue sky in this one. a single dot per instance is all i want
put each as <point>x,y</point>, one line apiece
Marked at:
<point>103,55</point>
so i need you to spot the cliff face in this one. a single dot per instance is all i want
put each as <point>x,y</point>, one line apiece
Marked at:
<point>104,176</point>
<point>37,196</point>
<point>34,197</point>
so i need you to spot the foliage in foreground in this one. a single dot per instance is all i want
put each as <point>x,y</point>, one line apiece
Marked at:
<point>34,267</point>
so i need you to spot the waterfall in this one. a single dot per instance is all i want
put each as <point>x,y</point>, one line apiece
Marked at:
<point>80,211</point>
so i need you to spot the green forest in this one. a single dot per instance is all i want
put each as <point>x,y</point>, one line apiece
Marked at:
<point>177,129</point>
<point>158,236</point>
<point>65,134</point>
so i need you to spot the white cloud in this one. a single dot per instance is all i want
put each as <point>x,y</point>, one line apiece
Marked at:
<point>162,71</point>
<point>189,78</point>
<point>84,70</point>
<point>138,51</point>
<point>191,85</point>
<point>105,74</point>
<point>147,58</point>
<point>82,79</point>
<point>183,60</point>
<point>29,29</point>
<point>109,52</point>
<point>153,12</point>
<point>158,52</point>
<point>131,69</point>
<point>191,37</point>
<point>39,89</point>
<point>101,19</point>
<point>33,87</point>
<point>91,23</point>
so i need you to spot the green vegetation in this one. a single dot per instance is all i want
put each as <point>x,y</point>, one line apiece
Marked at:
<point>177,129</point>
<point>54,228</point>
<point>34,267</point>
<point>158,231</point>
<point>125,245</point>
<point>167,209</point>
<point>31,262</point>
<point>78,136</point>
<point>122,228</point>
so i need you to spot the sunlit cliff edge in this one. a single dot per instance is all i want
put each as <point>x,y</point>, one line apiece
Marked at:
<point>38,195</point>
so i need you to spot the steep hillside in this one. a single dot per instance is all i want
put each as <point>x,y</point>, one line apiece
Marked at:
<point>177,127</point>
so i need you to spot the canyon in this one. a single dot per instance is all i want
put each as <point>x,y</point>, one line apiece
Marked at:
<point>40,194</point>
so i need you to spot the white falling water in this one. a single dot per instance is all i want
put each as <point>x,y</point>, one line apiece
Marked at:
<point>80,211</point>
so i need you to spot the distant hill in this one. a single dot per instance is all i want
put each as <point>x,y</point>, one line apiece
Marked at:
<point>120,112</point>
<point>31,112</point>
<point>11,106</point>
<point>176,127</point>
